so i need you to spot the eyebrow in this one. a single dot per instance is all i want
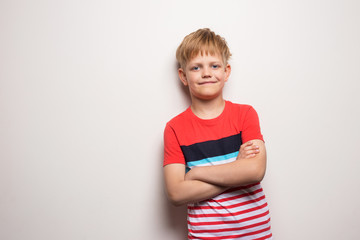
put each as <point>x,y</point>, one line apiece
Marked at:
<point>213,62</point>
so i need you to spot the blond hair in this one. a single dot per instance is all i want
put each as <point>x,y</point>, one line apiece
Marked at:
<point>203,41</point>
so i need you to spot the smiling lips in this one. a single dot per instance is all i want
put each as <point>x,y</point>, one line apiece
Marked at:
<point>207,82</point>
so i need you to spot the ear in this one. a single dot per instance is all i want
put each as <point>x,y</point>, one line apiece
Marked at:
<point>182,76</point>
<point>227,72</point>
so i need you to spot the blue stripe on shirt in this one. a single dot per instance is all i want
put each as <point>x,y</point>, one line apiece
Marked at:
<point>213,159</point>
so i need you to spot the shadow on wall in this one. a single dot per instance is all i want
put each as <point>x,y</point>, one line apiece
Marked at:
<point>175,218</point>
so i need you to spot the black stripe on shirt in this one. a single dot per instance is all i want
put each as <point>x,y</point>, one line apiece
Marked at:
<point>212,148</point>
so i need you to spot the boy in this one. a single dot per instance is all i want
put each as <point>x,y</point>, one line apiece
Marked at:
<point>214,157</point>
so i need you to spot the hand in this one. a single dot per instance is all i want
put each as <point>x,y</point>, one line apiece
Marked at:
<point>248,150</point>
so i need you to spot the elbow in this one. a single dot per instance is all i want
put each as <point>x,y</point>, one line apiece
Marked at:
<point>260,176</point>
<point>175,199</point>
<point>258,173</point>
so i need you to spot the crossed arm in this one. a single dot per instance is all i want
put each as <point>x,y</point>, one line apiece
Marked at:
<point>202,183</point>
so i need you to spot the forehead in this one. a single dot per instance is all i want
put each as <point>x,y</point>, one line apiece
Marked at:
<point>206,57</point>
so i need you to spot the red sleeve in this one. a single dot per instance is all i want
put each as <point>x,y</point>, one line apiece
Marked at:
<point>172,150</point>
<point>251,126</point>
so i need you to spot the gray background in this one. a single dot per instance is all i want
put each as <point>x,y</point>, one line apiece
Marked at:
<point>86,88</point>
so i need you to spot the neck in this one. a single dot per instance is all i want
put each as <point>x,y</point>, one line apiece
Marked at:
<point>208,109</point>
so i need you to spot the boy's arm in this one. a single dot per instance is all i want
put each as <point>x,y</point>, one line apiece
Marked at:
<point>243,171</point>
<point>181,191</point>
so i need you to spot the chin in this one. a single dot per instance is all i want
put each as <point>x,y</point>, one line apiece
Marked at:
<point>207,96</point>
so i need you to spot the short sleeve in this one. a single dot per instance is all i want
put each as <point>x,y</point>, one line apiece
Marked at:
<point>172,150</point>
<point>251,126</point>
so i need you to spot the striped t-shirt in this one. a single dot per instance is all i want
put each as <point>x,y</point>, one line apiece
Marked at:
<point>238,213</point>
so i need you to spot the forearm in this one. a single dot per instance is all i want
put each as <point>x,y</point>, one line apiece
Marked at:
<point>236,173</point>
<point>242,171</point>
<point>181,190</point>
<point>190,191</point>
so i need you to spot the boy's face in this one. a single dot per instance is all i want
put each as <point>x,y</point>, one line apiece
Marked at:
<point>205,75</point>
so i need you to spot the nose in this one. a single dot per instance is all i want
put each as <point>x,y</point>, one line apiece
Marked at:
<point>206,72</point>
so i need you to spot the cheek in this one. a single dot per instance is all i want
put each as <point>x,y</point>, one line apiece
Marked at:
<point>192,75</point>
<point>222,76</point>
<point>191,80</point>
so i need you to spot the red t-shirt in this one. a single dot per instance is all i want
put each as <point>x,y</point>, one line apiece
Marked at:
<point>239,213</point>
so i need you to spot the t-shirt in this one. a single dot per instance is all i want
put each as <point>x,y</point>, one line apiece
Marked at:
<point>240,212</point>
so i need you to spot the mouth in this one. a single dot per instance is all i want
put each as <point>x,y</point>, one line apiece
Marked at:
<point>207,82</point>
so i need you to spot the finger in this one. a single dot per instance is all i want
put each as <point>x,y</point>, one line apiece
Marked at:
<point>249,152</point>
<point>250,156</point>
<point>249,143</point>
<point>245,145</point>
<point>253,147</point>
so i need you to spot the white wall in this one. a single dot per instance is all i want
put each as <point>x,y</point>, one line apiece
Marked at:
<point>86,88</point>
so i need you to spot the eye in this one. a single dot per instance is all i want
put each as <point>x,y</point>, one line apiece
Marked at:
<point>215,66</point>
<point>195,68</point>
